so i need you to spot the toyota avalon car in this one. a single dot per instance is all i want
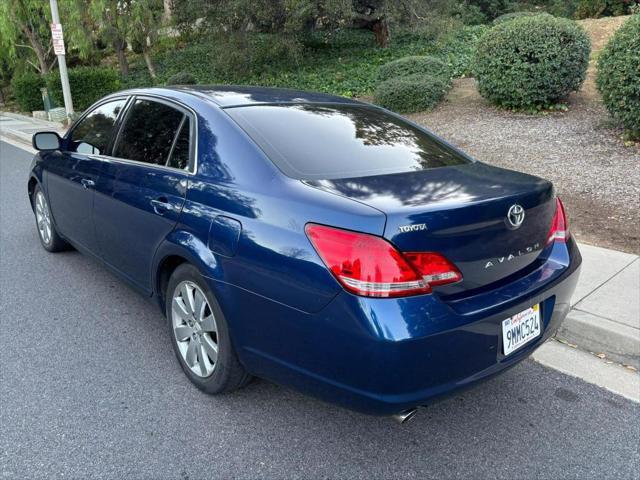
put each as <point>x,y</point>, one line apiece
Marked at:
<point>315,241</point>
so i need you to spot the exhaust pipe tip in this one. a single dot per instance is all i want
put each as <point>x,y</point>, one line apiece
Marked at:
<point>405,416</point>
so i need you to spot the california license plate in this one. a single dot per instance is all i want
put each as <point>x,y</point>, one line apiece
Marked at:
<point>520,329</point>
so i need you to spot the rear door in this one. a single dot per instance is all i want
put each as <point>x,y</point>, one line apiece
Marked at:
<point>142,186</point>
<point>72,173</point>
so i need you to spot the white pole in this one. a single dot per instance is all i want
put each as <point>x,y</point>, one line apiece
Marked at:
<point>62,65</point>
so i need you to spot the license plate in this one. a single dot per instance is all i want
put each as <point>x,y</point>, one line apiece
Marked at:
<point>520,329</point>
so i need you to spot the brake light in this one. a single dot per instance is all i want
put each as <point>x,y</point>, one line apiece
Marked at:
<point>370,266</point>
<point>559,226</point>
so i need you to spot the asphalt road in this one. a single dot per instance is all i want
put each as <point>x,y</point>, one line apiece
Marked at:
<point>89,386</point>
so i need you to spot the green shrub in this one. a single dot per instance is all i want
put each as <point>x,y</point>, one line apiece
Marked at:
<point>458,49</point>
<point>181,78</point>
<point>88,84</point>
<point>231,57</point>
<point>602,8</point>
<point>493,8</point>
<point>265,50</point>
<point>26,90</point>
<point>410,94</point>
<point>345,63</point>
<point>467,13</point>
<point>138,77</point>
<point>531,62</point>
<point>414,65</point>
<point>562,8</point>
<point>510,16</point>
<point>619,75</point>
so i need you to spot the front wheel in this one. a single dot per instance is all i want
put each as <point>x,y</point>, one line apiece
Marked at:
<point>200,334</point>
<point>49,238</point>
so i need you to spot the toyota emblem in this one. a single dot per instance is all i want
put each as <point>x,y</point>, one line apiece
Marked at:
<point>515,215</point>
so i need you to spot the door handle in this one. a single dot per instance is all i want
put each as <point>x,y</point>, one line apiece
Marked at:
<point>161,205</point>
<point>87,183</point>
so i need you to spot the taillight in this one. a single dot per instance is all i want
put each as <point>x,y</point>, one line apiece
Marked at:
<point>370,266</point>
<point>434,268</point>
<point>559,227</point>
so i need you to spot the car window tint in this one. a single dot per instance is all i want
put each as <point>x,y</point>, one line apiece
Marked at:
<point>93,133</point>
<point>148,132</point>
<point>180,154</point>
<point>313,141</point>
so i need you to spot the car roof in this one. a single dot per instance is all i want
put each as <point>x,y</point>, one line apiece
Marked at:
<point>234,96</point>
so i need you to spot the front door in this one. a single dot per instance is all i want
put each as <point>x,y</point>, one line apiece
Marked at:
<point>142,186</point>
<point>72,174</point>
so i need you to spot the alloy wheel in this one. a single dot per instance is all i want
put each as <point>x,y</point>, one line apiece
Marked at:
<point>43,218</point>
<point>195,329</point>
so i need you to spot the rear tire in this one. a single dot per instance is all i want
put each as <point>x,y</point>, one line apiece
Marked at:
<point>200,334</point>
<point>47,233</point>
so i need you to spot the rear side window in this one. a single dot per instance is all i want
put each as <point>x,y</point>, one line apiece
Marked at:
<point>93,133</point>
<point>179,157</point>
<point>314,142</point>
<point>153,133</point>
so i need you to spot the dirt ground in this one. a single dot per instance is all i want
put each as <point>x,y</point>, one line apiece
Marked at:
<point>599,30</point>
<point>595,174</point>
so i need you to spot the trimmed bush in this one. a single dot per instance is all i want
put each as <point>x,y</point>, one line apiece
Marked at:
<point>182,78</point>
<point>619,75</point>
<point>414,65</point>
<point>26,90</point>
<point>510,16</point>
<point>410,94</point>
<point>88,84</point>
<point>531,62</point>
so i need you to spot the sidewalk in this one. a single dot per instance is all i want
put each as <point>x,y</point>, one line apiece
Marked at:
<point>21,128</point>
<point>606,305</point>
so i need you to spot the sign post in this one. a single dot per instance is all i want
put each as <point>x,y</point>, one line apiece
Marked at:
<point>58,48</point>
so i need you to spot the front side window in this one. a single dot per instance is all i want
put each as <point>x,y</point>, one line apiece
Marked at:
<point>93,133</point>
<point>152,131</point>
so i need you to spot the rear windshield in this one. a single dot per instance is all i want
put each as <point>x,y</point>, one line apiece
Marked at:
<point>313,142</point>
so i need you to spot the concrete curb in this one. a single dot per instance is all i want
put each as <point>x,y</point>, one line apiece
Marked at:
<point>21,137</point>
<point>619,342</point>
<point>589,368</point>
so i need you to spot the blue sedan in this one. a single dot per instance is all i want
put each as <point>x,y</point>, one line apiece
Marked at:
<point>315,241</point>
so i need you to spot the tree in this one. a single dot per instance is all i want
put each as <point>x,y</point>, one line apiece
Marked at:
<point>167,6</point>
<point>282,17</point>
<point>80,29</point>
<point>114,19</point>
<point>372,15</point>
<point>379,15</point>
<point>24,24</point>
<point>25,35</point>
<point>146,17</point>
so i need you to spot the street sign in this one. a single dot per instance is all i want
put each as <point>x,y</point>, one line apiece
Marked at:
<point>58,39</point>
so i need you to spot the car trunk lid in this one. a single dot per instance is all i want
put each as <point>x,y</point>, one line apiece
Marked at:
<point>462,213</point>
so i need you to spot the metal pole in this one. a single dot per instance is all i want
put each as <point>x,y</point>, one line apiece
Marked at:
<point>62,65</point>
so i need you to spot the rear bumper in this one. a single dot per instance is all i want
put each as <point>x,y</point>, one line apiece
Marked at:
<point>382,356</point>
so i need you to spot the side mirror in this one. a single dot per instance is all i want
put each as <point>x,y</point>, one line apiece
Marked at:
<point>46,141</point>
